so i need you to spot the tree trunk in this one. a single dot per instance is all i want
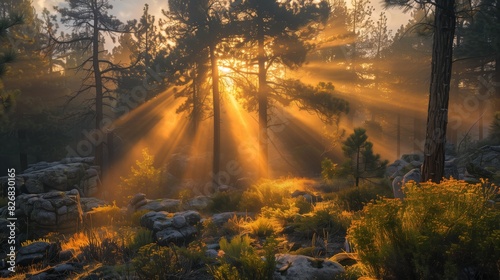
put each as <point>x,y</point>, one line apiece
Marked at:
<point>99,155</point>
<point>194,114</point>
<point>262,98</point>
<point>437,119</point>
<point>398,135</point>
<point>216,101</point>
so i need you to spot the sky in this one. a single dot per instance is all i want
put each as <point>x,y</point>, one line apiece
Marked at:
<point>132,9</point>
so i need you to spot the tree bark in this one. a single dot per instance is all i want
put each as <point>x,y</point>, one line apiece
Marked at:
<point>262,99</point>
<point>216,104</point>
<point>99,152</point>
<point>437,119</point>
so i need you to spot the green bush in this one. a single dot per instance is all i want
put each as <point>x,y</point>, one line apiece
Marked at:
<point>140,238</point>
<point>263,227</point>
<point>157,262</point>
<point>353,199</point>
<point>439,231</point>
<point>266,193</point>
<point>144,177</point>
<point>224,202</point>
<point>327,216</point>
<point>240,260</point>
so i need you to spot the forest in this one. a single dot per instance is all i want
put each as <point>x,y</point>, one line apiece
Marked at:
<point>250,139</point>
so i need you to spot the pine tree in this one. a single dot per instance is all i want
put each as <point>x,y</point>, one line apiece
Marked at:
<point>362,163</point>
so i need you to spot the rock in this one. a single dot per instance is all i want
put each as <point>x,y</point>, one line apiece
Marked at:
<point>33,185</point>
<point>63,176</point>
<point>66,255</point>
<point>451,169</point>
<point>396,187</point>
<point>179,228</point>
<point>37,252</point>
<point>413,175</point>
<point>180,236</point>
<point>136,198</point>
<point>344,259</point>
<point>149,219</point>
<point>198,203</point>
<point>301,267</point>
<point>191,217</point>
<point>157,221</point>
<point>89,203</point>
<point>53,211</point>
<point>179,222</point>
<point>161,205</point>
<point>220,219</point>
<point>212,254</point>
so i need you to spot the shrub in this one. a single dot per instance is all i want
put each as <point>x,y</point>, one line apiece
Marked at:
<point>328,169</point>
<point>107,251</point>
<point>440,231</point>
<point>157,262</point>
<point>241,261</point>
<point>135,219</point>
<point>105,215</point>
<point>144,178</point>
<point>266,193</point>
<point>140,238</point>
<point>353,199</point>
<point>263,227</point>
<point>327,216</point>
<point>224,201</point>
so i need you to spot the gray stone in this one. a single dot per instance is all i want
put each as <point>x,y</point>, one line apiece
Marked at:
<point>149,219</point>
<point>161,225</point>
<point>198,203</point>
<point>396,187</point>
<point>34,186</point>
<point>299,267</point>
<point>180,236</point>
<point>35,247</point>
<point>451,169</point>
<point>52,211</point>
<point>161,205</point>
<point>191,217</point>
<point>66,255</point>
<point>220,219</point>
<point>89,203</point>
<point>137,197</point>
<point>211,253</point>
<point>413,175</point>
<point>179,221</point>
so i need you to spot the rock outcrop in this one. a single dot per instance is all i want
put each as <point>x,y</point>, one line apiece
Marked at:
<point>52,211</point>
<point>64,175</point>
<point>178,228</point>
<point>299,267</point>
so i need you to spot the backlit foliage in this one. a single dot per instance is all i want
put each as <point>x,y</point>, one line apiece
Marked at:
<point>144,177</point>
<point>439,231</point>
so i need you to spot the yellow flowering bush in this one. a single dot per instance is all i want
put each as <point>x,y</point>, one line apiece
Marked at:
<point>439,231</point>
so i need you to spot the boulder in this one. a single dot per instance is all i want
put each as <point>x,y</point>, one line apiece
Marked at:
<point>157,221</point>
<point>89,203</point>
<point>161,205</point>
<point>180,236</point>
<point>178,228</point>
<point>64,175</point>
<point>299,267</point>
<point>220,219</point>
<point>197,203</point>
<point>451,169</point>
<point>53,211</point>
<point>37,252</point>
<point>397,187</point>
<point>413,175</point>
